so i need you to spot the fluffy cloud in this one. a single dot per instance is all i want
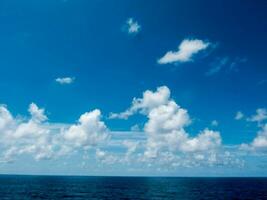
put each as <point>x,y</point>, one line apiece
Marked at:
<point>132,26</point>
<point>35,136</point>
<point>89,131</point>
<point>259,143</point>
<point>65,80</point>
<point>149,100</point>
<point>187,49</point>
<point>165,128</point>
<point>163,141</point>
<point>261,140</point>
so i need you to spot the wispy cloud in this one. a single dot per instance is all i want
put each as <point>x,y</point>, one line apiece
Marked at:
<point>217,66</point>
<point>65,80</point>
<point>186,50</point>
<point>225,64</point>
<point>234,66</point>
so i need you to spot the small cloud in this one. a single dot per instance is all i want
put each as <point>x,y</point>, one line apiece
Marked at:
<point>226,64</point>
<point>217,66</point>
<point>262,82</point>
<point>187,49</point>
<point>135,128</point>
<point>65,80</point>
<point>239,115</point>
<point>132,26</point>
<point>234,65</point>
<point>214,123</point>
<point>261,115</point>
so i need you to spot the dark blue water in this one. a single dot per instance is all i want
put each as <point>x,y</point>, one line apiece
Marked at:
<point>63,187</point>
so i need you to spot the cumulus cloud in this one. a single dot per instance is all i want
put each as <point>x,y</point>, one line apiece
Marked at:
<point>186,50</point>
<point>259,143</point>
<point>165,128</point>
<point>37,137</point>
<point>149,100</point>
<point>162,141</point>
<point>89,131</point>
<point>65,80</point>
<point>133,26</point>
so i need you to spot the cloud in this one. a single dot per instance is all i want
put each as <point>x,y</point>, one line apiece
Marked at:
<point>37,137</point>
<point>234,66</point>
<point>225,63</point>
<point>186,50</point>
<point>259,143</point>
<point>261,140</point>
<point>261,115</point>
<point>239,115</point>
<point>214,123</point>
<point>217,66</point>
<point>146,103</point>
<point>132,26</point>
<point>89,131</point>
<point>165,128</point>
<point>65,80</point>
<point>162,142</point>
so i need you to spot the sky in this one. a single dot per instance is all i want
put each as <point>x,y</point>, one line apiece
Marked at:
<point>133,88</point>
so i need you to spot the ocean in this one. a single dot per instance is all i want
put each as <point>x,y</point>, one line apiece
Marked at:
<point>82,187</point>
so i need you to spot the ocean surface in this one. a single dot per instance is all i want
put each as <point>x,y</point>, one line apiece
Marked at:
<point>75,187</point>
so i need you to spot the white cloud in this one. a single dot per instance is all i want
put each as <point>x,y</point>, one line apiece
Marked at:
<point>261,115</point>
<point>187,49</point>
<point>239,115</point>
<point>65,80</point>
<point>146,103</point>
<point>165,128</point>
<point>37,113</point>
<point>259,143</point>
<point>163,142</point>
<point>132,26</point>
<point>261,140</point>
<point>43,140</point>
<point>214,123</point>
<point>89,131</point>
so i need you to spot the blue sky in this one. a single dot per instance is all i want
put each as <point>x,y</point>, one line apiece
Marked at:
<point>191,66</point>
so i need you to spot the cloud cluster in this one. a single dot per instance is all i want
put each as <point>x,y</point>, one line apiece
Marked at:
<point>43,140</point>
<point>163,140</point>
<point>186,50</point>
<point>165,128</point>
